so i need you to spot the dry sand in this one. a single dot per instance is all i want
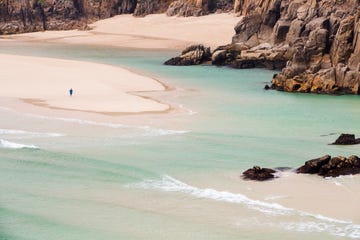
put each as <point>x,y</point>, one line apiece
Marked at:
<point>97,87</point>
<point>101,88</point>
<point>151,32</point>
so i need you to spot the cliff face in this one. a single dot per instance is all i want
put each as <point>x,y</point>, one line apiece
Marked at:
<point>17,16</point>
<point>319,40</point>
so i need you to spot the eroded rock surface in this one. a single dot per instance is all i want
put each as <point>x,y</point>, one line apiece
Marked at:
<point>346,139</point>
<point>193,55</point>
<point>331,167</point>
<point>259,174</point>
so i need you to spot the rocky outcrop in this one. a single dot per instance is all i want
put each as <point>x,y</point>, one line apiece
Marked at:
<point>259,174</point>
<point>193,55</point>
<point>314,165</point>
<point>240,56</point>
<point>331,167</point>
<point>346,139</point>
<point>319,41</point>
<point>198,7</point>
<point>188,8</point>
<point>38,15</point>
<point>145,7</point>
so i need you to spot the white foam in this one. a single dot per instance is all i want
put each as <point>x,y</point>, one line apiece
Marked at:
<point>349,230</point>
<point>148,131</point>
<point>170,184</point>
<point>319,223</point>
<point>13,145</point>
<point>22,133</point>
<point>274,197</point>
<point>189,111</point>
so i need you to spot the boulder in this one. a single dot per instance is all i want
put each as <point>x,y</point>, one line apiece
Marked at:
<point>247,27</point>
<point>346,139</point>
<point>193,55</point>
<point>331,167</point>
<point>259,174</point>
<point>314,165</point>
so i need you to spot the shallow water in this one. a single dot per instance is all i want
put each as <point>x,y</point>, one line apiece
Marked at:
<point>170,175</point>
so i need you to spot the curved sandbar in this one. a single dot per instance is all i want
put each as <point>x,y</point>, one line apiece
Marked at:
<point>97,87</point>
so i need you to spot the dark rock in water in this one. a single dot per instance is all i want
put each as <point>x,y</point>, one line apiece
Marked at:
<point>259,174</point>
<point>283,169</point>
<point>314,165</point>
<point>332,167</point>
<point>346,139</point>
<point>193,55</point>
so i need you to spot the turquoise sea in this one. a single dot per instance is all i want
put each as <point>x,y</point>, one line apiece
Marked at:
<point>174,175</point>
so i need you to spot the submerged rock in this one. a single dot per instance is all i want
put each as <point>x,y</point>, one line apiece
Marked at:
<point>259,174</point>
<point>193,55</point>
<point>346,139</point>
<point>331,167</point>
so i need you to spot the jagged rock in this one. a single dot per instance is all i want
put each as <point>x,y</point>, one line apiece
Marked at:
<point>187,8</point>
<point>218,57</point>
<point>314,165</point>
<point>331,167</point>
<point>193,55</point>
<point>320,35</point>
<point>258,174</point>
<point>247,27</point>
<point>280,31</point>
<point>145,7</point>
<point>346,139</point>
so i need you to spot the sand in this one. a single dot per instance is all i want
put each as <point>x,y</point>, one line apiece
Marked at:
<point>155,31</point>
<point>97,87</point>
<point>100,88</point>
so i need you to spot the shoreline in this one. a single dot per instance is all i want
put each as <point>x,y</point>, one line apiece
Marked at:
<point>128,32</point>
<point>155,31</point>
<point>97,93</point>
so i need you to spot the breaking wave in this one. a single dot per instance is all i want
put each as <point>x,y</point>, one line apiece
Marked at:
<point>148,131</point>
<point>27,134</point>
<point>318,223</point>
<point>13,145</point>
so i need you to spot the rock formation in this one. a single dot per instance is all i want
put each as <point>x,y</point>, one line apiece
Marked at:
<point>37,15</point>
<point>318,39</point>
<point>259,174</point>
<point>193,55</point>
<point>316,43</point>
<point>331,167</point>
<point>346,139</point>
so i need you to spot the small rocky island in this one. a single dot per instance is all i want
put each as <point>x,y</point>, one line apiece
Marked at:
<point>346,139</point>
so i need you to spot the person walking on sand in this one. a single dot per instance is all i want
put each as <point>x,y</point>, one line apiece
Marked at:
<point>71,92</point>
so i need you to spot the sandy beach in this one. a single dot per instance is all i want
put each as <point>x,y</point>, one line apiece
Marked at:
<point>155,31</point>
<point>100,88</point>
<point>97,87</point>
